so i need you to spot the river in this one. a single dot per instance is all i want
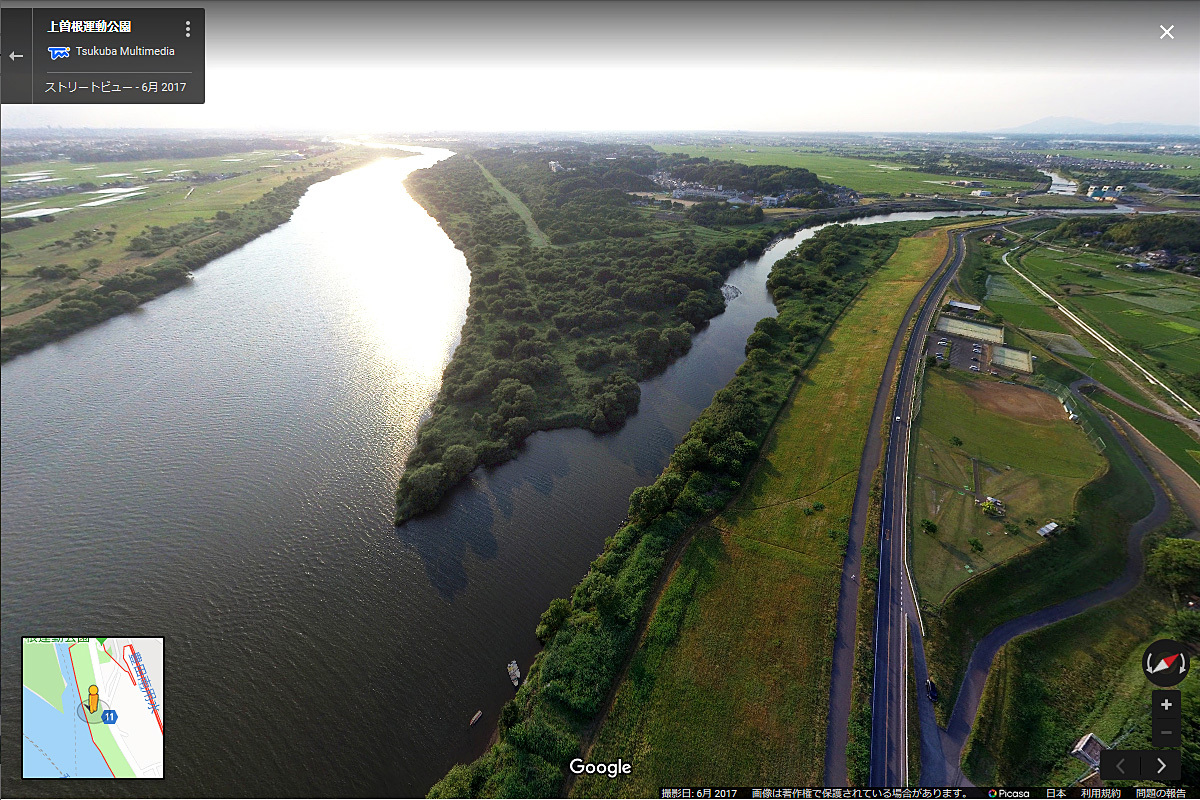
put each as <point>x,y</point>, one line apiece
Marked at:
<point>218,469</point>
<point>1059,184</point>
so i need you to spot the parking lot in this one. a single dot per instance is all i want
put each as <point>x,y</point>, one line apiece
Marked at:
<point>961,352</point>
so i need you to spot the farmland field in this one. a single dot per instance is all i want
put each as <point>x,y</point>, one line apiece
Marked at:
<point>1175,442</point>
<point>1156,312</point>
<point>742,683</point>
<point>1019,444</point>
<point>94,239</point>
<point>867,175</point>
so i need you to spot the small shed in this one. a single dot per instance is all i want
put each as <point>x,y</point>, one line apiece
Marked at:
<point>1048,528</point>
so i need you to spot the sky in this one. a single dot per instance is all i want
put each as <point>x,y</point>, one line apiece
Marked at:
<point>378,67</point>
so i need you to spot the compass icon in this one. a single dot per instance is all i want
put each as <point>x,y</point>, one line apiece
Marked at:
<point>1165,662</point>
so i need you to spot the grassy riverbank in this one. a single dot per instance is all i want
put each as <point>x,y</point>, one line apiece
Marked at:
<point>588,636</point>
<point>579,290</point>
<point>745,681</point>
<point>110,258</point>
<point>557,335</point>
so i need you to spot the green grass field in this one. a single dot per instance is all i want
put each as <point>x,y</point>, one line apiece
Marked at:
<point>1176,443</point>
<point>1103,371</point>
<point>740,694</point>
<point>535,233</point>
<point>80,234</point>
<point>1074,561</point>
<point>1025,452</point>
<point>860,174</point>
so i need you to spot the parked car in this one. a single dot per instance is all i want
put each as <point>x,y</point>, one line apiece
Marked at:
<point>931,690</point>
<point>974,368</point>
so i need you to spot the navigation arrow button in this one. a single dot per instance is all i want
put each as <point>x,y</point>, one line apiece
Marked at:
<point>1162,765</point>
<point>15,55</point>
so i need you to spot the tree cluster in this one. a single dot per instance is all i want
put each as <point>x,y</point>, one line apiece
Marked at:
<point>578,325</point>
<point>769,179</point>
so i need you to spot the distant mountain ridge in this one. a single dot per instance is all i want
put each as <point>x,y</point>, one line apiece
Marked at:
<point>1075,125</point>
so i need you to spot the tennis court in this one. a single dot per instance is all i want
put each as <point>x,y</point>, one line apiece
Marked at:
<point>1012,358</point>
<point>971,330</point>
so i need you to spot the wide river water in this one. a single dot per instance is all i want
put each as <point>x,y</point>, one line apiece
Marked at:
<point>218,468</point>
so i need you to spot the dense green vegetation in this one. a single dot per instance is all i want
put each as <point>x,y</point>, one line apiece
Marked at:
<point>559,336</point>
<point>1048,688</point>
<point>965,164</point>
<point>198,243</point>
<point>711,214</point>
<point>759,178</point>
<point>588,636</point>
<point>1175,233</point>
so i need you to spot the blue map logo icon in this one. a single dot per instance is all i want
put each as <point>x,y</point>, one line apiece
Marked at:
<point>59,52</point>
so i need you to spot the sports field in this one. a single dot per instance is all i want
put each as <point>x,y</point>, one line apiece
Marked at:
<point>973,330</point>
<point>738,692</point>
<point>1011,358</point>
<point>867,175</point>
<point>1017,445</point>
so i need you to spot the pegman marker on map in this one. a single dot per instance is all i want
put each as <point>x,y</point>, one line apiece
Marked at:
<point>93,698</point>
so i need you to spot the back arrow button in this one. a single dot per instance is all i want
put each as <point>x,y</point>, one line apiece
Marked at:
<point>15,55</point>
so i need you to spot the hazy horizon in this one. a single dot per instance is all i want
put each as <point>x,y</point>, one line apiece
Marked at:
<point>808,67</point>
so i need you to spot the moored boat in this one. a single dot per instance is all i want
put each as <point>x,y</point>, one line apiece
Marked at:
<point>514,673</point>
<point>475,718</point>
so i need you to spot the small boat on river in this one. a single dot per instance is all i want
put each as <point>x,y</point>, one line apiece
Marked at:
<point>514,673</point>
<point>475,718</point>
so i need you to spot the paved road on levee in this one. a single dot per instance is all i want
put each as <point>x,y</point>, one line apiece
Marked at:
<point>897,617</point>
<point>895,610</point>
<point>843,655</point>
